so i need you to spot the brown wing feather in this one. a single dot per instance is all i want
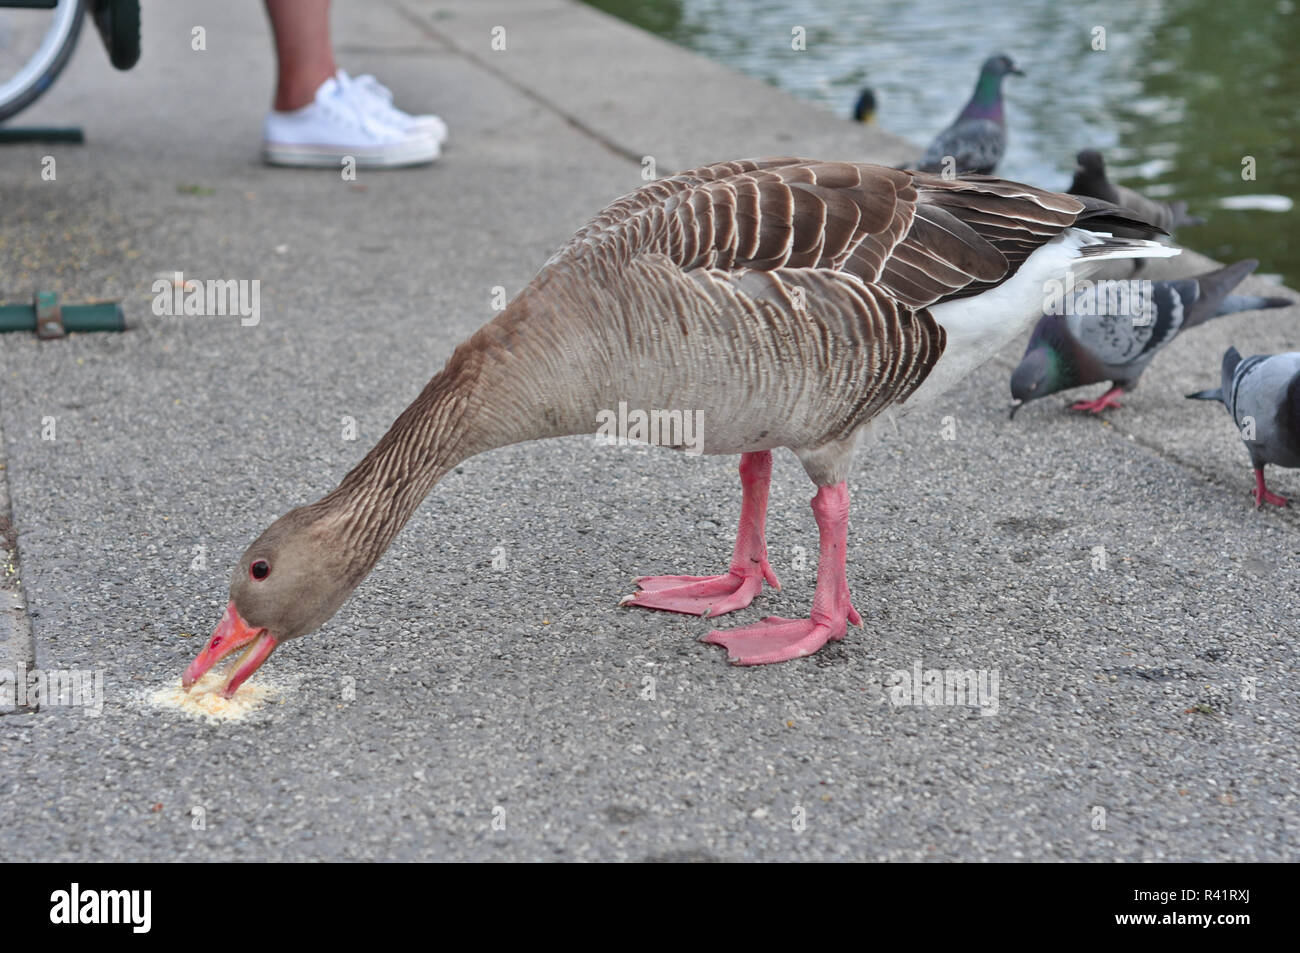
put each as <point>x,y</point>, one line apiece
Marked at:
<point>920,237</point>
<point>655,194</point>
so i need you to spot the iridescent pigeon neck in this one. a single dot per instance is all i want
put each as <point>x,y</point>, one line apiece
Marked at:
<point>986,101</point>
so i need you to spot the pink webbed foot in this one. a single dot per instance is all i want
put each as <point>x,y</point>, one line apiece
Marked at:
<point>1105,401</point>
<point>701,595</point>
<point>714,595</point>
<point>775,639</point>
<point>1262,493</point>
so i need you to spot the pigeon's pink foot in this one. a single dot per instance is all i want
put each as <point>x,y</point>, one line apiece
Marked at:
<point>1262,494</point>
<point>1105,401</point>
<point>701,595</point>
<point>779,640</point>
<point>714,595</point>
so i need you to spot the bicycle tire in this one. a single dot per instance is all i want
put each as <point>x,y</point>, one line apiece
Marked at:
<point>118,22</point>
<point>45,80</point>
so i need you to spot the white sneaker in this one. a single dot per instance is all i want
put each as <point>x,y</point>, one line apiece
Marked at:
<point>381,98</point>
<point>338,124</point>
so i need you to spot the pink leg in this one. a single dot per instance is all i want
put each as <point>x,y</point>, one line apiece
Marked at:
<point>778,640</point>
<point>1106,400</point>
<point>1262,495</point>
<point>714,595</point>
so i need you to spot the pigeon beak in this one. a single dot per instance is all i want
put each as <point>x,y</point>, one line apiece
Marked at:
<point>1015,405</point>
<point>1016,71</point>
<point>232,633</point>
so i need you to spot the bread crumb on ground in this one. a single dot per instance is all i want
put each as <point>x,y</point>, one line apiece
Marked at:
<point>204,700</point>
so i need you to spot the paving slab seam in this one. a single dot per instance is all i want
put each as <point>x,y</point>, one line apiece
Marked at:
<point>451,45</point>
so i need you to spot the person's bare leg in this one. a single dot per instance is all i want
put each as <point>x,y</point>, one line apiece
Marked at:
<point>302,50</point>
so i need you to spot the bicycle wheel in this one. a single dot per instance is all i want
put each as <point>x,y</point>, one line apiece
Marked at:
<point>35,45</point>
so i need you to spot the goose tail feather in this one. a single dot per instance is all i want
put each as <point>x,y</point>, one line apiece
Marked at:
<point>1109,247</point>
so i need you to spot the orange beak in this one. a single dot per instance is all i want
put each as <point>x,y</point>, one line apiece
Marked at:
<point>232,633</point>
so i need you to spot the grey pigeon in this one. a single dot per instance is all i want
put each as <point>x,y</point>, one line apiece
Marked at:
<point>1090,179</point>
<point>977,138</point>
<point>1262,394</point>
<point>1097,341</point>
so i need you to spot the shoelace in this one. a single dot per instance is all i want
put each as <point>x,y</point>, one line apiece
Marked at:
<point>380,96</point>
<point>342,101</point>
<point>371,83</point>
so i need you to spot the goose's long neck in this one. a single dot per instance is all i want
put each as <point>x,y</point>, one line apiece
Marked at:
<point>517,379</point>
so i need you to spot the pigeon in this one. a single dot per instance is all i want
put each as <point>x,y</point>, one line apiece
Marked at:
<point>1262,394</point>
<point>1112,329</point>
<point>1090,179</point>
<point>864,110</point>
<point>977,138</point>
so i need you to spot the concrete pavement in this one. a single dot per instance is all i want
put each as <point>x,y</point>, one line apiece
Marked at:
<point>1139,616</point>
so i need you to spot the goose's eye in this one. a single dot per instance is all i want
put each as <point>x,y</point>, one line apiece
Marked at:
<point>260,569</point>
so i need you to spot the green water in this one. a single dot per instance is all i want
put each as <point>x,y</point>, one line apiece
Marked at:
<point>1185,90</point>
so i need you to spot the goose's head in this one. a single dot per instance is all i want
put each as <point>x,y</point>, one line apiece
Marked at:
<point>288,583</point>
<point>1038,375</point>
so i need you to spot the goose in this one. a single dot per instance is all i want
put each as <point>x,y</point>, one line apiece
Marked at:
<point>788,300</point>
<point>977,138</point>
